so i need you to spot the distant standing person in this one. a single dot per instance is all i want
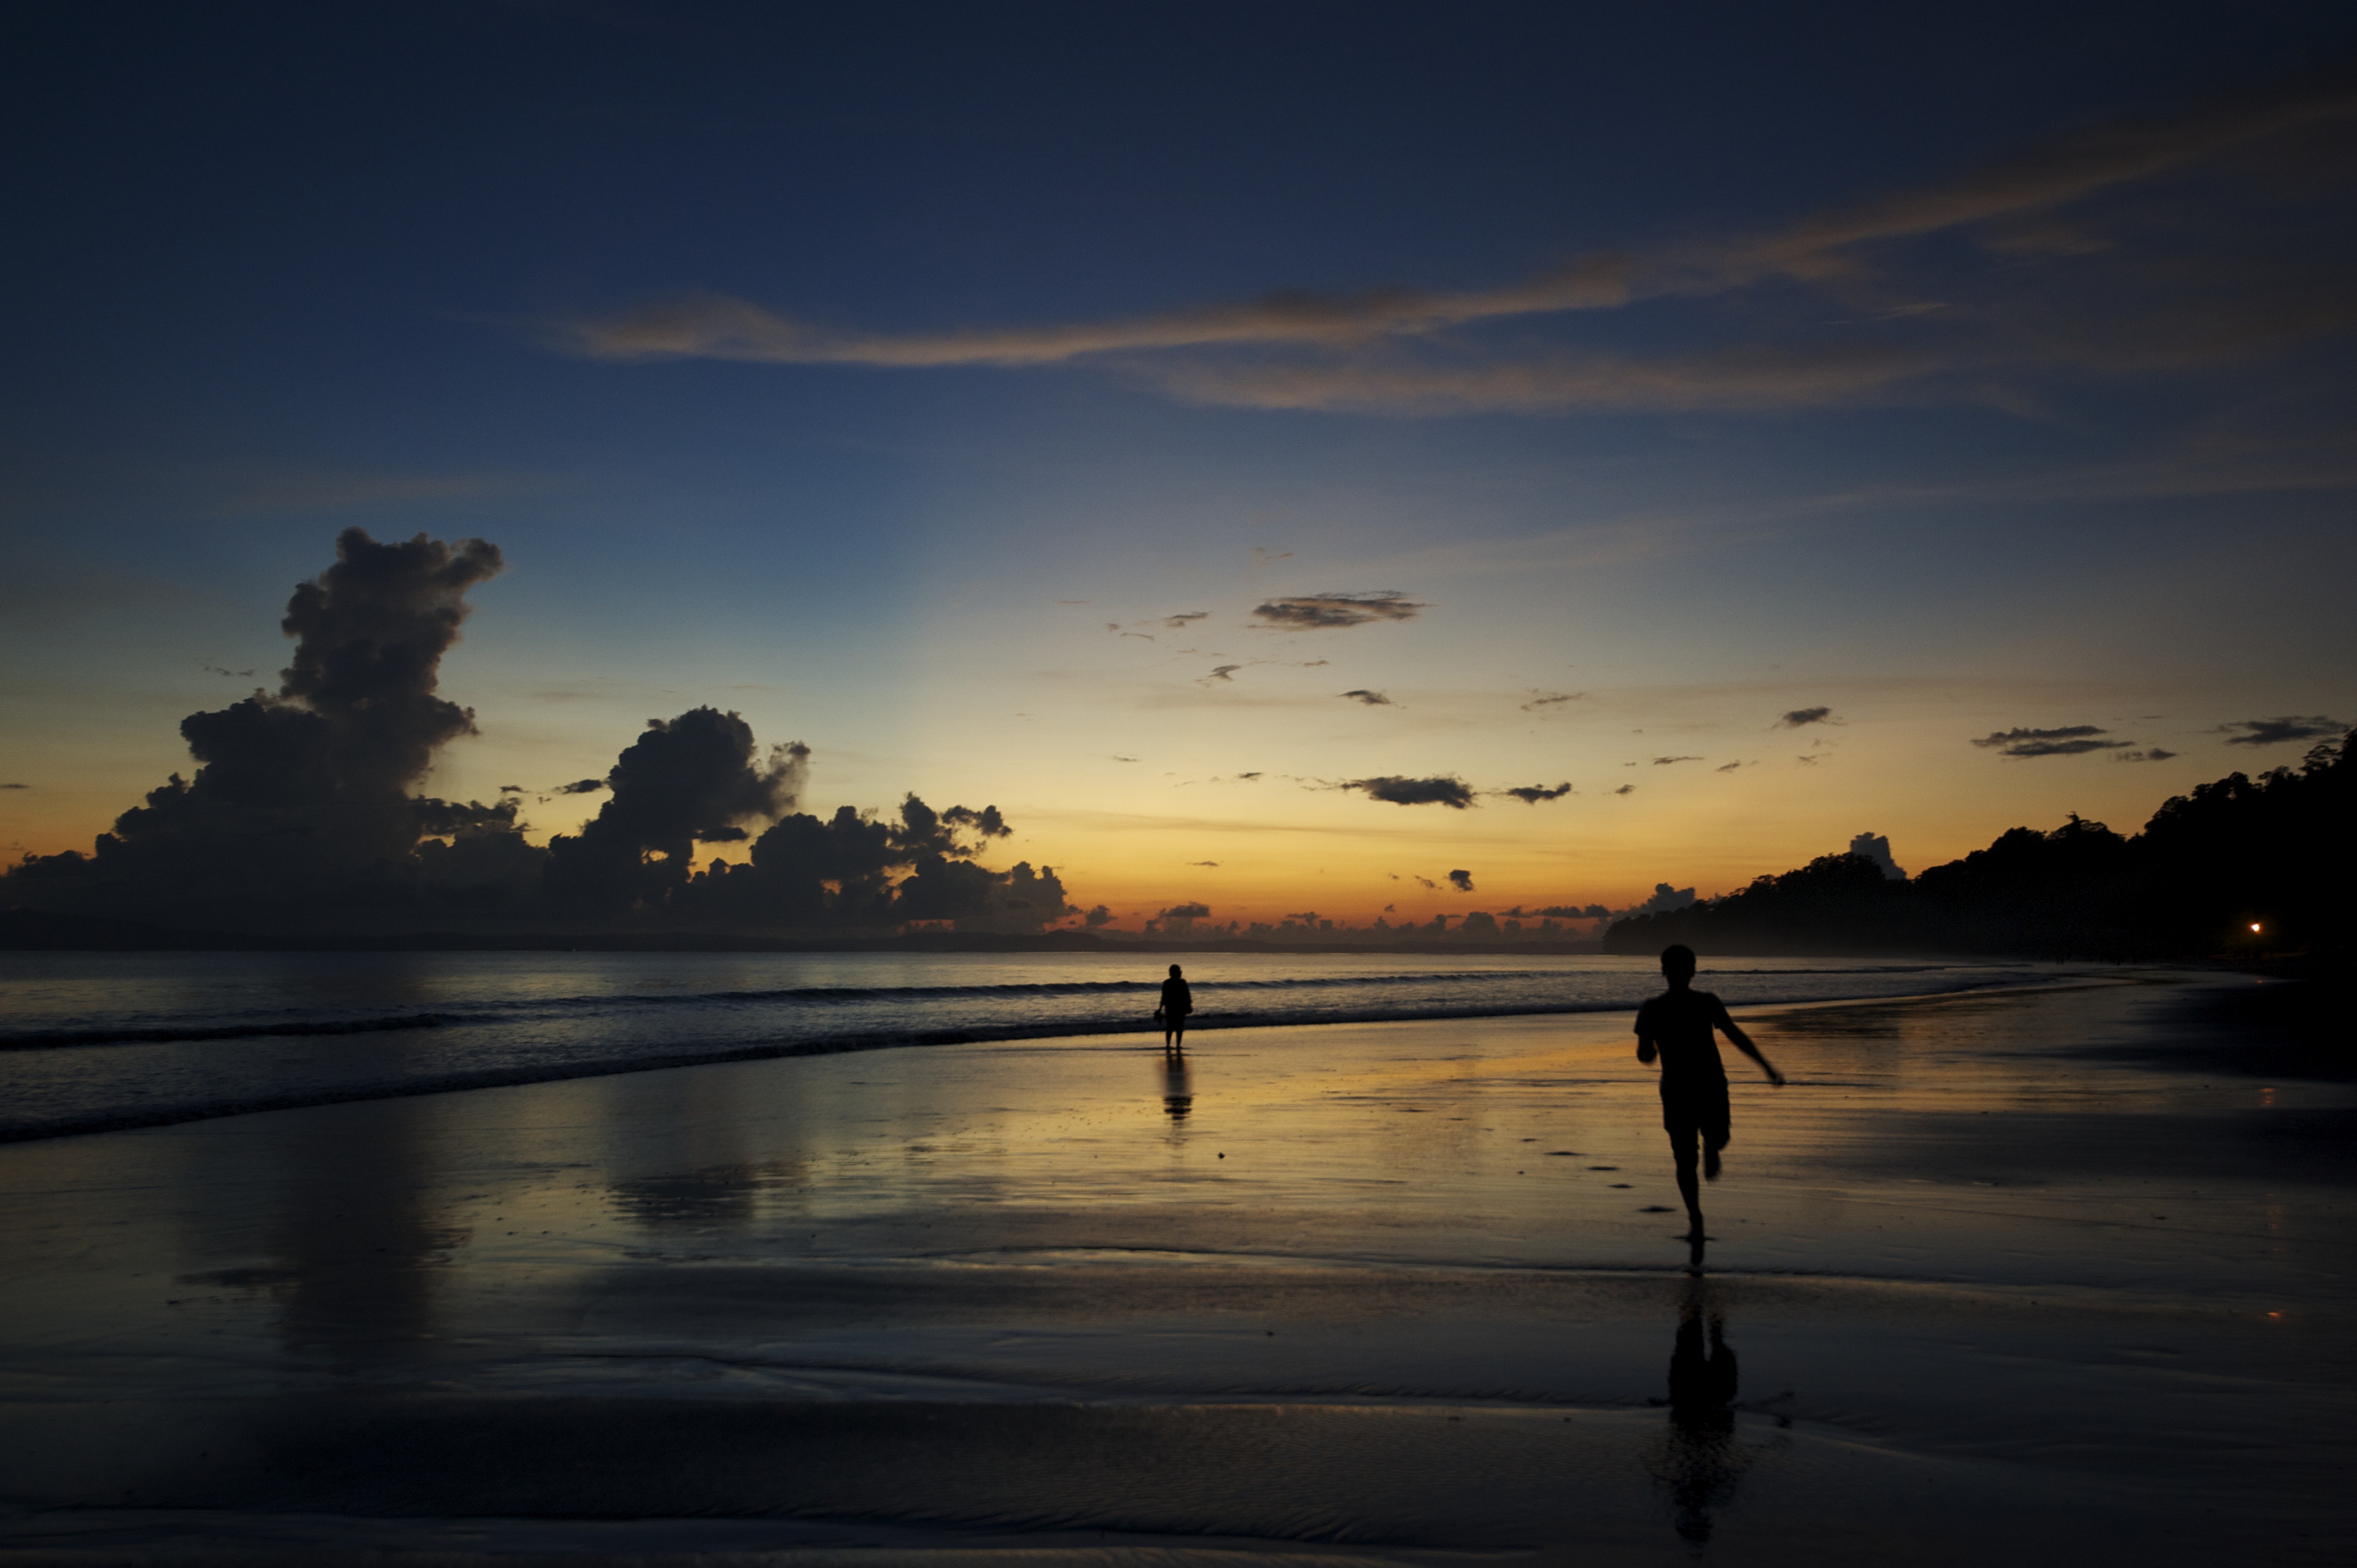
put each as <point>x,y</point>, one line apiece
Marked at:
<point>1679,1026</point>
<point>1177,1002</point>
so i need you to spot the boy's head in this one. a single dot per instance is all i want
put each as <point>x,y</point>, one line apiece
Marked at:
<point>1678,964</point>
<point>1174,971</point>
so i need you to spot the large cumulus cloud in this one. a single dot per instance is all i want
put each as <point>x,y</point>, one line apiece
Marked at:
<point>303,794</point>
<point>300,814</point>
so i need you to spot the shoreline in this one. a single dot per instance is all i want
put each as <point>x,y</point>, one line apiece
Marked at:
<point>827,1047</point>
<point>1411,1293</point>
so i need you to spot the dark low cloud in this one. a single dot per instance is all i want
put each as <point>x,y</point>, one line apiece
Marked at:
<point>1665,898</point>
<point>1443,791</point>
<point>681,780</point>
<point>1665,761</point>
<point>1179,622</point>
<point>986,822</point>
<point>1877,848</point>
<point>1626,790</point>
<point>1322,612</point>
<point>1373,699</point>
<point>1801,718</point>
<point>1179,918</point>
<point>1224,672</point>
<point>1728,766</point>
<point>579,787</point>
<point>1098,917</point>
<point>2278,731</point>
<point>14,786</point>
<point>1531,794</point>
<point>1550,699</point>
<point>2153,754</point>
<point>840,872</point>
<point>1559,912</point>
<point>1212,865</point>
<point>2071,740</point>
<point>1462,880</point>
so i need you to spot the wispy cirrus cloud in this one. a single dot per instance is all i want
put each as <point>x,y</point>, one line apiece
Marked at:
<point>2049,174</point>
<point>2050,278</point>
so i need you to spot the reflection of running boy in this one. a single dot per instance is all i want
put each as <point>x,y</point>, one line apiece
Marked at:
<point>1677,1025</point>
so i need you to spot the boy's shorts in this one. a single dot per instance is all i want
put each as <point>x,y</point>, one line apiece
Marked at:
<point>1688,1110</point>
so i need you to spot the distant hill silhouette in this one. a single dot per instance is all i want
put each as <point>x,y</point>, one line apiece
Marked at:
<point>2279,850</point>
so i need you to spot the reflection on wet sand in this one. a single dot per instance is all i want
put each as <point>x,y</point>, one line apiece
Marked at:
<point>691,1157</point>
<point>356,1247</point>
<point>714,1196</point>
<point>1702,1462</point>
<point>1177,1088</point>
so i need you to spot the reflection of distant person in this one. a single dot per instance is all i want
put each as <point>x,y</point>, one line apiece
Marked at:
<point>1679,1025</point>
<point>1177,1094</point>
<point>1177,1002</point>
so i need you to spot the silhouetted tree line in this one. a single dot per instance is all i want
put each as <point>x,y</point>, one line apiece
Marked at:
<point>2276,851</point>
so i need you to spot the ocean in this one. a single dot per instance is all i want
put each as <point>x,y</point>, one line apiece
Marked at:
<point>91,1042</point>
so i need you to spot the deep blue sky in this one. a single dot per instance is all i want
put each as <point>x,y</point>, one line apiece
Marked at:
<point>276,269</point>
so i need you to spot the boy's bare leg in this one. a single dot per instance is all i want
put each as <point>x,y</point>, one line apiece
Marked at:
<point>1682,1145</point>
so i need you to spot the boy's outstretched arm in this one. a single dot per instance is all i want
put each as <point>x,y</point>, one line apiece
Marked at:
<point>1644,1047</point>
<point>1743,1043</point>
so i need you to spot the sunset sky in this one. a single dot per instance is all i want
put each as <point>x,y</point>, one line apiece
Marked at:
<point>1154,420</point>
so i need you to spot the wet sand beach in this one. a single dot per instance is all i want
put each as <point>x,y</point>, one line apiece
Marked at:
<point>2059,1273</point>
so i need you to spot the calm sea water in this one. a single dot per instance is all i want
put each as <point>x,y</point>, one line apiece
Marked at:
<point>92,1041</point>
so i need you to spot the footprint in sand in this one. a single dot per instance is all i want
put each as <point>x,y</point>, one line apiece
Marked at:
<point>1604,1167</point>
<point>1653,1207</point>
<point>1619,1186</point>
<point>1558,1153</point>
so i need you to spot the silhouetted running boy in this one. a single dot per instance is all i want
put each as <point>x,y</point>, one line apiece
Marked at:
<point>1678,1024</point>
<point>1177,1002</point>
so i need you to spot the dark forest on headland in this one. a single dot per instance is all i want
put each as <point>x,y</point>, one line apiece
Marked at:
<point>301,828</point>
<point>2239,866</point>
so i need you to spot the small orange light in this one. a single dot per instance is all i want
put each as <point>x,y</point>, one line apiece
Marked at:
<point>2255,925</point>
